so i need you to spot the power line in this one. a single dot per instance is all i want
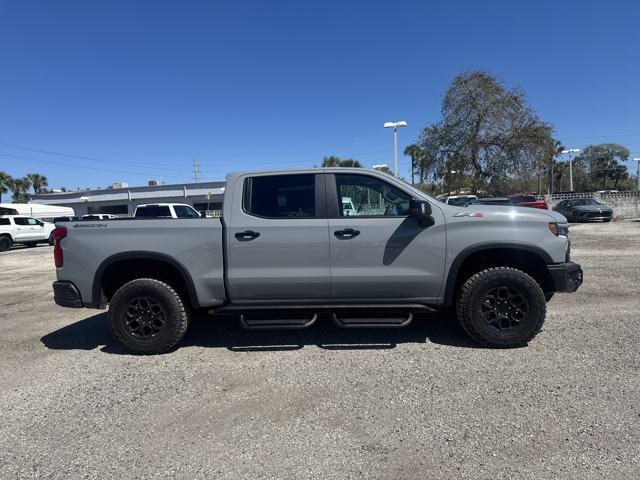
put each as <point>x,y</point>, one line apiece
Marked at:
<point>53,162</point>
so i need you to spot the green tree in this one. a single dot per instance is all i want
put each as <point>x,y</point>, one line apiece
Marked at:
<point>603,164</point>
<point>333,161</point>
<point>20,188</point>
<point>384,169</point>
<point>5,183</point>
<point>486,130</point>
<point>38,182</point>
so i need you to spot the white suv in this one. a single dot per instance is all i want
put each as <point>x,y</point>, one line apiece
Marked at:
<point>27,230</point>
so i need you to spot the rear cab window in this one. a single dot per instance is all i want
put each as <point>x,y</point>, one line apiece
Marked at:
<point>154,211</point>
<point>4,221</point>
<point>280,196</point>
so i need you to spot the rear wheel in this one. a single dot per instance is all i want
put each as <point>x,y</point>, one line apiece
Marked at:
<point>51,240</point>
<point>148,316</point>
<point>501,307</point>
<point>5,243</point>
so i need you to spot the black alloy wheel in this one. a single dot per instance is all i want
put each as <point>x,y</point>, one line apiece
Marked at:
<point>144,318</point>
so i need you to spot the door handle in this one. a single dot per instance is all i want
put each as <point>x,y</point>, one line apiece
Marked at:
<point>346,234</point>
<point>247,235</point>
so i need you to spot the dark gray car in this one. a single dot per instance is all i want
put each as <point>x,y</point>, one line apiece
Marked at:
<point>584,209</point>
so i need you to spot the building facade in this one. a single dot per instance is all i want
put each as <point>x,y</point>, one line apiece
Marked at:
<point>205,196</point>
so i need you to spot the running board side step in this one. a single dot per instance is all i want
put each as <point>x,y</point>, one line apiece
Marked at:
<point>382,319</point>
<point>270,317</point>
<point>280,321</point>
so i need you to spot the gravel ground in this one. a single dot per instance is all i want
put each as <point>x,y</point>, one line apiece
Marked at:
<point>423,402</point>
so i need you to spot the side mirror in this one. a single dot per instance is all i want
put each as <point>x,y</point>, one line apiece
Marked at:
<point>421,211</point>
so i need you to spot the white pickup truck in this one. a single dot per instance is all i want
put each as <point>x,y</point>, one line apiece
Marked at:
<point>27,230</point>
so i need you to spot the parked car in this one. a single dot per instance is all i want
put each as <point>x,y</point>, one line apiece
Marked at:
<point>166,210</point>
<point>25,230</point>
<point>457,200</point>
<point>527,200</point>
<point>285,252</point>
<point>584,209</point>
<point>99,216</point>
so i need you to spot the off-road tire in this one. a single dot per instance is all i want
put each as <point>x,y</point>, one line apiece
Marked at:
<point>470,304</point>
<point>176,316</point>
<point>5,243</point>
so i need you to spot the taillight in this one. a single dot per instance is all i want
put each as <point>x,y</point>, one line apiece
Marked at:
<point>58,234</point>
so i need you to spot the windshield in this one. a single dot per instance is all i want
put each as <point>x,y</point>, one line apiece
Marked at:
<point>585,201</point>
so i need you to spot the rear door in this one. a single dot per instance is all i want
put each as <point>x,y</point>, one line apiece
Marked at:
<point>378,251</point>
<point>277,239</point>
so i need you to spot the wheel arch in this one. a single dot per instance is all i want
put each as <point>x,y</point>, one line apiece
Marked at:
<point>529,258</point>
<point>119,268</point>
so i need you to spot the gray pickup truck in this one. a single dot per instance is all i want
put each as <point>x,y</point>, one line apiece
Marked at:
<point>287,250</point>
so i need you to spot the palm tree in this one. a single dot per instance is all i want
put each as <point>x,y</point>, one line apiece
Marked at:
<point>416,153</point>
<point>20,188</point>
<point>5,183</point>
<point>39,182</point>
<point>333,161</point>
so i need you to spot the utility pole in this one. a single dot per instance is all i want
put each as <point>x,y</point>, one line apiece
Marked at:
<point>196,172</point>
<point>637,159</point>
<point>570,151</point>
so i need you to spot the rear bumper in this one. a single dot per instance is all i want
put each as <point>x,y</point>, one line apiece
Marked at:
<point>567,276</point>
<point>66,294</point>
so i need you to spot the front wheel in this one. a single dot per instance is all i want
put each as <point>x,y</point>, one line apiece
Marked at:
<point>501,307</point>
<point>148,316</point>
<point>5,243</point>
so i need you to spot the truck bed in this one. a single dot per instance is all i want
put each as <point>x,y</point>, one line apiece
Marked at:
<point>194,244</point>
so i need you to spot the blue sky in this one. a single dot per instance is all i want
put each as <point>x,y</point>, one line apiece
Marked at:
<point>141,88</point>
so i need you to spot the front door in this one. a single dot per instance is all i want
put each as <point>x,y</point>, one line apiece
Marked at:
<point>24,229</point>
<point>278,243</point>
<point>377,250</point>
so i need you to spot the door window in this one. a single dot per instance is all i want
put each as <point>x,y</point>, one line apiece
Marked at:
<point>280,196</point>
<point>364,195</point>
<point>21,221</point>
<point>182,211</point>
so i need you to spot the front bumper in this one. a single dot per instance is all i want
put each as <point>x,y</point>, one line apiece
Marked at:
<point>603,215</point>
<point>66,294</point>
<point>567,276</point>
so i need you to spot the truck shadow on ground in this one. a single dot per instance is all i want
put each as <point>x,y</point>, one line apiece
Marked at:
<point>226,332</point>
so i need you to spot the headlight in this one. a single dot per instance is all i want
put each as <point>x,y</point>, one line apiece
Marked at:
<point>559,229</point>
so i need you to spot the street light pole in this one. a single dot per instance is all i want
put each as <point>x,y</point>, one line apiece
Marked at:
<point>395,126</point>
<point>570,151</point>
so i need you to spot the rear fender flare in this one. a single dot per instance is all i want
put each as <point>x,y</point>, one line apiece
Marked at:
<point>96,288</point>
